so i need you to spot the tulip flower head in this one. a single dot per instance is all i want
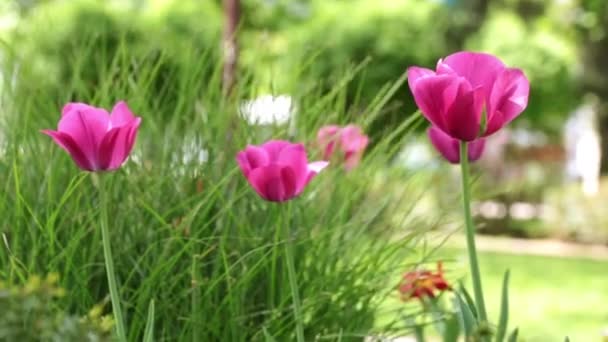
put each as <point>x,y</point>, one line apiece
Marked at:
<point>95,139</point>
<point>278,170</point>
<point>450,147</point>
<point>349,140</point>
<point>423,283</point>
<point>464,85</point>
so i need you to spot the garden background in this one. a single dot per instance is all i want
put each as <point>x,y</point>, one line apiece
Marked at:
<point>189,234</point>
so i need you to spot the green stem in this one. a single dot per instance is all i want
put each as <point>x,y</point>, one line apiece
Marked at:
<point>275,255</point>
<point>109,261</point>
<point>291,272</point>
<point>470,232</point>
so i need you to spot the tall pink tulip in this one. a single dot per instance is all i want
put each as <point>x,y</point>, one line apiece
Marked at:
<point>95,139</point>
<point>350,140</point>
<point>464,84</point>
<point>278,170</point>
<point>450,147</point>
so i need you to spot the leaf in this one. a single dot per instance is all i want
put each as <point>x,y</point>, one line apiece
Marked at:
<point>503,319</point>
<point>438,315</point>
<point>469,301</point>
<point>452,329</point>
<point>567,339</point>
<point>419,332</point>
<point>513,336</point>
<point>149,332</point>
<point>267,336</point>
<point>465,316</point>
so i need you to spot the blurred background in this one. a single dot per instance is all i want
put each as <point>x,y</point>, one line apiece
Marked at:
<point>541,190</point>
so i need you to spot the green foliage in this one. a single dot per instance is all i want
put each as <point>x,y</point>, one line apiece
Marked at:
<point>575,291</point>
<point>191,234</point>
<point>61,40</point>
<point>576,216</point>
<point>387,37</point>
<point>546,52</point>
<point>29,313</point>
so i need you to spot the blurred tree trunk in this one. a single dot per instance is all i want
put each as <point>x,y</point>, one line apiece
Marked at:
<point>230,48</point>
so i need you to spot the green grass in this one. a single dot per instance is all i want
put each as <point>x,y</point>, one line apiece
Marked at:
<point>196,241</point>
<point>194,237</point>
<point>550,297</point>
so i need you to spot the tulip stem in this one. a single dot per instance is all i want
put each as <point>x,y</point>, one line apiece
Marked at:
<point>291,273</point>
<point>470,233</point>
<point>109,262</point>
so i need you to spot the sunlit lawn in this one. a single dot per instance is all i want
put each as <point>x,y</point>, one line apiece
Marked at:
<point>550,297</point>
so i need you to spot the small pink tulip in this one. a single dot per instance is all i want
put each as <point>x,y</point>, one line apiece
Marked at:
<point>95,139</point>
<point>327,137</point>
<point>350,140</point>
<point>465,84</point>
<point>450,147</point>
<point>278,170</point>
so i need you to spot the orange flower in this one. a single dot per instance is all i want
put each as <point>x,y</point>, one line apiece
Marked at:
<point>423,283</point>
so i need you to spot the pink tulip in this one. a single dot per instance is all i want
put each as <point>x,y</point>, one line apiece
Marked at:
<point>450,147</point>
<point>96,140</point>
<point>350,140</point>
<point>278,170</point>
<point>327,137</point>
<point>465,84</point>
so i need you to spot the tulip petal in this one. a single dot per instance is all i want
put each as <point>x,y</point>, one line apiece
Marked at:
<point>445,144</point>
<point>121,115</point>
<point>313,169</point>
<point>116,146</point>
<point>352,159</point>
<point>450,147</point>
<point>480,69</point>
<point>69,145</point>
<point>109,146</point>
<point>290,182</point>
<point>273,182</point>
<point>87,126</point>
<point>326,139</point>
<point>273,148</point>
<point>317,166</point>
<point>415,73</point>
<point>252,157</point>
<point>462,117</point>
<point>327,132</point>
<point>450,103</point>
<point>353,139</point>
<point>294,156</point>
<point>133,133</point>
<point>509,97</point>
<point>427,94</point>
<point>75,106</point>
<point>476,148</point>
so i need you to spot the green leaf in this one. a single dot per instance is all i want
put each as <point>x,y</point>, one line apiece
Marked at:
<point>419,332</point>
<point>452,329</point>
<point>267,336</point>
<point>438,315</point>
<point>503,320</point>
<point>469,300</point>
<point>513,336</point>
<point>567,339</point>
<point>149,332</point>
<point>465,316</point>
